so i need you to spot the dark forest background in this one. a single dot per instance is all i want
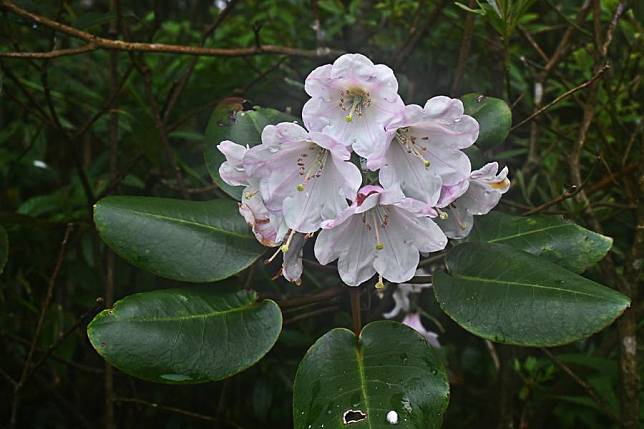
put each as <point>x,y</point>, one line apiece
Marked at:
<point>82,117</point>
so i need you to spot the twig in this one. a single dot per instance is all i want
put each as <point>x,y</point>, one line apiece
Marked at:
<point>41,320</point>
<point>563,96</point>
<point>587,387</point>
<point>464,50</point>
<point>180,85</point>
<point>168,408</point>
<point>79,322</point>
<point>145,72</point>
<point>324,295</point>
<point>417,31</point>
<point>310,314</point>
<point>95,42</point>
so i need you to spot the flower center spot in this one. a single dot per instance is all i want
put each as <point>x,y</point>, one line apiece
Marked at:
<point>355,101</point>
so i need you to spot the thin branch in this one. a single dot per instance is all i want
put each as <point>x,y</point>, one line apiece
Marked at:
<point>356,311</point>
<point>167,408</point>
<point>39,325</point>
<point>310,314</point>
<point>84,318</point>
<point>587,387</point>
<point>95,42</point>
<point>464,51</point>
<point>563,96</point>
<point>417,31</point>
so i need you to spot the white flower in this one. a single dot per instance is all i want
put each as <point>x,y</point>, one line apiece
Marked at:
<point>423,150</point>
<point>352,100</point>
<point>383,232</point>
<point>304,175</point>
<point>483,194</point>
<point>268,226</point>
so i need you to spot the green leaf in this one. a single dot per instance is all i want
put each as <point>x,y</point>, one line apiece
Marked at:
<point>389,368</point>
<point>184,336</point>
<point>494,118</point>
<point>4,248</point>
<point>192,241</point>
<point>509,296</point>
<point>244,128</point>
<point>552,237</point>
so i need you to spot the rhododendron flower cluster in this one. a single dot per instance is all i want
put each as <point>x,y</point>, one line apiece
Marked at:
<point>299,181</point>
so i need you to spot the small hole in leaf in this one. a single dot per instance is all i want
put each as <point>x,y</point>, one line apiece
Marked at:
<point>353,416</point>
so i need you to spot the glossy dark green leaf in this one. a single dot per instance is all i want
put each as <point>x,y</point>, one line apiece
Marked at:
<point>494,118</point>
<point>184,336</point>
<point>509,296</point>
<point>242,127</point>
<point>4,248</point>
<point>391,370</point>
<point>192,241</point>
<point>552,237</point>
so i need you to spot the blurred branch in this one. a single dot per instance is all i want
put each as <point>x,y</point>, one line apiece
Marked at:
<point>179,86</point>
<point>26,369</point>
<point>418,30</point>
<point>146,73</point>
<point>95,42</point>
<point>563,96</point>
<point>167,408</point>
<point>464,51</point>
<point>587,387</point>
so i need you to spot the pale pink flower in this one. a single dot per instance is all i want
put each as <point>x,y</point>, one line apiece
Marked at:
<point>268,226</point>
<point>381,232</point>
<point>352,100</point>
<point>304,175</point>
<point>483,194</point>
<point>423,150</point>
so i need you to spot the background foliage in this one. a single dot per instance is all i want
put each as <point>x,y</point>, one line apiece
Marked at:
<point>76,128</point>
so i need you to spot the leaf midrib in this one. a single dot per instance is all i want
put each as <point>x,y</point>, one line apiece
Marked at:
<point>534,231</point>
<point>214,314</point>
<point>192,223</point>
<point>532,285</point>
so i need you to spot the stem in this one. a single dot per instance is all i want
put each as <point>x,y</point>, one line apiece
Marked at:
<point>355,310</point>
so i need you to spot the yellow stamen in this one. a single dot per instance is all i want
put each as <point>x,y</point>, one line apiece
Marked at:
<point>300,187</point>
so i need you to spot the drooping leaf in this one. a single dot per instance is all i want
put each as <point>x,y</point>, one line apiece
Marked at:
<point>343,382</point>
<point>552,237</point>
<point>509,296</point>
<point>183,336</point>
<point>494,118</point>
<point>192,241</point>
<point>4,248</point>
<point>242,127</point>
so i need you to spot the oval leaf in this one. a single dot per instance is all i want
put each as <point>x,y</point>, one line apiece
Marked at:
<point>192,241</point>
<point>493,115</point>
<point>183,336</point>
<point>509,296</point>
<point>242,127</point>
<point>552,237</point>
<point>4,248</point>
<point>391,370</point>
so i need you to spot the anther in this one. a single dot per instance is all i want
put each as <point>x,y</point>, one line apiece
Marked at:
<point>300,187</point>
<point>442,215</point>
<point>380,246</point>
